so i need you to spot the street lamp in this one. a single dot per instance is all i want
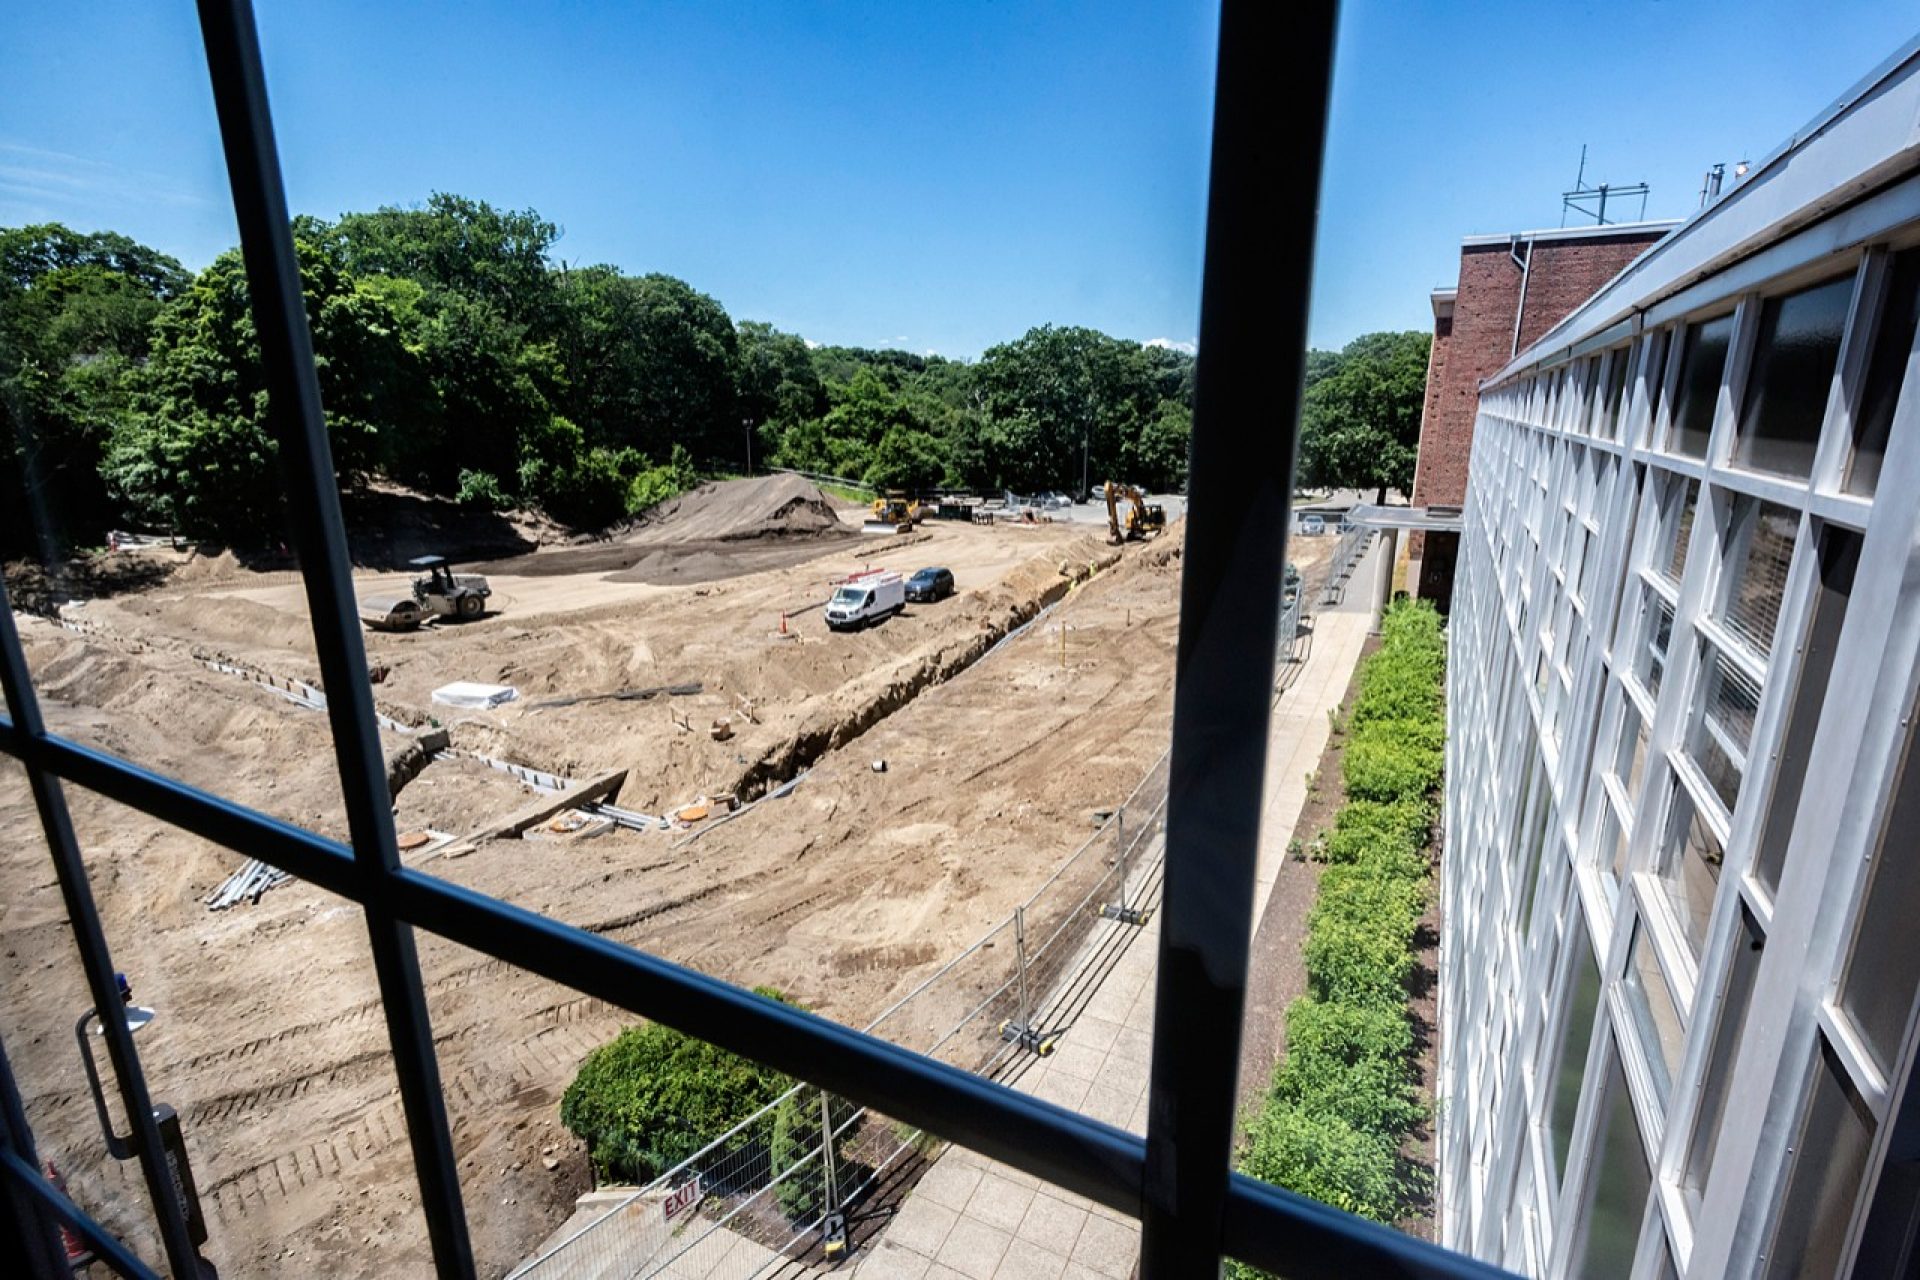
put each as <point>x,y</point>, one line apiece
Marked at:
<point>165,1118</point>
<point>746,425</point>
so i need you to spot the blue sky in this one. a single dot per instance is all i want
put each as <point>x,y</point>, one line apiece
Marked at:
<point>929,176</point>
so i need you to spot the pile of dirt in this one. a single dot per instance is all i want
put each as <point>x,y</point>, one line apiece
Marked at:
<point>778,506</point>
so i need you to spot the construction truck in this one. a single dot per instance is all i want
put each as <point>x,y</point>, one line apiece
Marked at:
<point>438,592</point>
<point>893,512</point>
<point>1143,520</point>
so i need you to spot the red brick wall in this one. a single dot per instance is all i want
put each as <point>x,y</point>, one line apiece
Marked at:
<point>1480,341</point>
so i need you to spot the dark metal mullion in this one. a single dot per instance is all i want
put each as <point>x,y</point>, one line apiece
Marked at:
<point>25,1179</point>
<point>96,961</point>
<point>1266,1226</point>
<point>39,1243</point>
<point>313,502</point>
<point>1269,127</point>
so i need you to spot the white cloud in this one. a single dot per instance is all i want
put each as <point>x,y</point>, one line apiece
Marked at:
<point>1172,344</point>
<point>70,186</point>
<point>811,344</point>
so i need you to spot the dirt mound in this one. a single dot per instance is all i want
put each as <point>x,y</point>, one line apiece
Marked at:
<point>779,506</point>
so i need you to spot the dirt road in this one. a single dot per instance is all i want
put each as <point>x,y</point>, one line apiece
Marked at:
<point>271,1040</point>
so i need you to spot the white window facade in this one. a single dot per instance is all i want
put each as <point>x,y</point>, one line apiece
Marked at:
<point>1682,867</point>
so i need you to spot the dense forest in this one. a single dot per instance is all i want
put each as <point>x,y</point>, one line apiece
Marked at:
<point>456,355</point>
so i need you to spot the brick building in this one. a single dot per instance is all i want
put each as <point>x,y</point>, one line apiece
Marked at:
<point>1511,290</point>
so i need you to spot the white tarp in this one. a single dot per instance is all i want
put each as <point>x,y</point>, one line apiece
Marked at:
<point>465,693</point>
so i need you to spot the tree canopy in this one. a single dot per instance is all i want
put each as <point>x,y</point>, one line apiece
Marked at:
<point>1360,415</point>
<point>459,355</point>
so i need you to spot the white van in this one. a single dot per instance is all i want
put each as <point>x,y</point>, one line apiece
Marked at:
<point>866,597</point>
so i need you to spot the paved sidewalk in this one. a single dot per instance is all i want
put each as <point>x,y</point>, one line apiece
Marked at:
<point>976,1218</point>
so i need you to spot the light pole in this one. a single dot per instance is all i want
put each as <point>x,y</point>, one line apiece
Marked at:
<point>746,425</point>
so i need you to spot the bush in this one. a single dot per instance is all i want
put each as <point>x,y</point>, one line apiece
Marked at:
<point>653,1097</point>
<point>1343,1097</point>
<point>1324,1157</point>
<point>1350,1061</point>
<point>1391,835</point>
<point>1390,760</point>
<point>481,489</point>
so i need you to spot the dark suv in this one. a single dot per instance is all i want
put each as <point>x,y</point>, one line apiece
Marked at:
<point>929,585</point>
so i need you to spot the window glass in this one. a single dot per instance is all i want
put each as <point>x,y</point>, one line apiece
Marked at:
<point>1883,968</point>
<point>1759,549</point>
<point>1676,527</point>
<point>1794,353</point>
<point>1655,1016</point>
<point>1621,1181</point>
<point>1830,1156</point>
<point>1886,370</point>
<point>1703,357</point>
<point>1723,724</point>
<point>1839,554</point>
<point>1656,633</point>
<point>1612,422</point>
<point>1742,968</point>
<point>1576,1038</point>
<point>1630,760</point>
<point>1689,865</point>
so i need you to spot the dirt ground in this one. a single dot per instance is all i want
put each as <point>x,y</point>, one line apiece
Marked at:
<point>270,1039</point>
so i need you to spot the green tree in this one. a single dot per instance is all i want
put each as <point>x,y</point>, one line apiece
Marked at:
<point>75,314</point>
<point>194,450</point>
<point>1063,403</point>
<point>778,382</point>
<point>653,1097</point>
<point>1360,414</point>
<point>650,362</point>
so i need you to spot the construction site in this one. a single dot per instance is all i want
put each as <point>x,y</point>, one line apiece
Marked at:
<point>689,761</point>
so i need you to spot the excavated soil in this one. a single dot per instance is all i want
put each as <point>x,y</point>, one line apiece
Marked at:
<point>271,1041</point>
<point>719,530</point>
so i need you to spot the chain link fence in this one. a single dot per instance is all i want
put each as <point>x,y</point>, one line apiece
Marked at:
<point>799,1179</point>
<point>778,1186</point>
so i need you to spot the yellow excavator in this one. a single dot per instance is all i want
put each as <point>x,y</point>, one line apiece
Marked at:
<point>893,512</point>
<point>1144,519</point>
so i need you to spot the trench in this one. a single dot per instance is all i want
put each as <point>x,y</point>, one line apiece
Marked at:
<point>827,729</point>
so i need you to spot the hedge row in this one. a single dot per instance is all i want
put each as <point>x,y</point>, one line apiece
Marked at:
<point>1343,1099</point>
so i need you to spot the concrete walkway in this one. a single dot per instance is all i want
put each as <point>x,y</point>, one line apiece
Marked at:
<point>976,1218</point>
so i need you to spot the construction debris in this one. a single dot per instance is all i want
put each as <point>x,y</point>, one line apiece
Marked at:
<point>246,885</point>
<point>621,695</point>
<point>474,696</point>
<point>544,807</point>
<point>722,729</point>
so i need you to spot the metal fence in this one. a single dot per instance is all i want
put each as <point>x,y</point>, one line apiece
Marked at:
<point>1354,541</point>
<point>774,1186</point>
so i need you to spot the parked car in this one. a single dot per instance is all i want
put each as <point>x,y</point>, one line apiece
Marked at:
<point>865,598</point>
<point>1312,526</point>
<point>930,584</point>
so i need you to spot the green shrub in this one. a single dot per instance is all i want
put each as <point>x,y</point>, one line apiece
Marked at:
<point>653,1097</point>
<point>481,489</point>
<point>1344,1096</point>
<point>1350,1061</point>
<point>1324,1157</point>
<point>1385,764</point>
<point>1390,835</point>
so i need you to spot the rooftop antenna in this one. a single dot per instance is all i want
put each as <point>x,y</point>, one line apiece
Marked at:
<point>1591,202</point>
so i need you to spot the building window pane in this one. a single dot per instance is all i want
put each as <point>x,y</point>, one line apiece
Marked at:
<point>1656,633</point>
<point>1886,370</point>
<point>1794,354</point>
<point>1621,1181</point>
<point>1839,554</point>
<point>1576,1038</point>
<point>1759,549</point>
<point>1613,420</point>
<point>1689,866</point>
<point>1676,527</point>
<point>1742,969</point>
<point>1656,1018</point>
<point>1883,968</point>
<point>1696,391</point>
<point>1830,1156</point>
<point>1723,728</point>
<point>1631,761</point>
